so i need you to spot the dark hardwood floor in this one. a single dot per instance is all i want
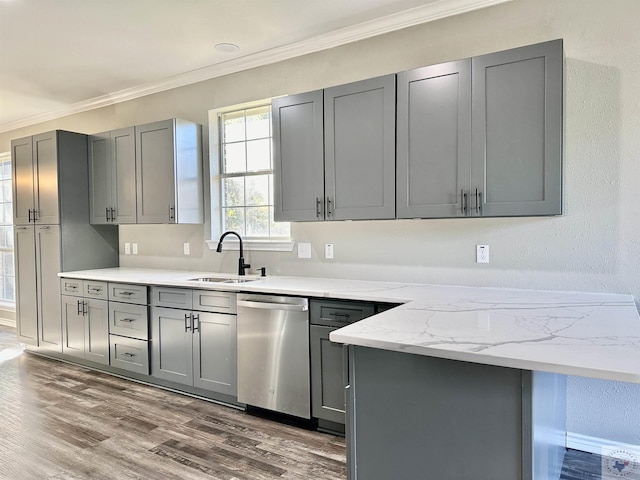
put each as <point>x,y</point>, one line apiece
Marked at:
<point>59,421</point>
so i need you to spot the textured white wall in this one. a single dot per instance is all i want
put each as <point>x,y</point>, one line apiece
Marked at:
<point>595,246</point>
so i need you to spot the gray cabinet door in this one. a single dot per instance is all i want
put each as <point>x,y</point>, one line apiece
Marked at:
<point>517,131</point>
<point>172,345</point>
<point>214,352</point>
<point>22,170</point>
<point>47,253</point>
<point>45,160</point>
<point>123,157</point>
<point>327,382</point>
<point>433,140</point>
<point>26,297</point>
<point>298,157</point>
<point>359,138</point>
<point>73,336</point>
<point>100,171</point>
<point>155,155</point>
<point>96,341</point>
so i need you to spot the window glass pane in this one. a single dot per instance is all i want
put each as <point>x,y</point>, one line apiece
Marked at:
<point>9,289</point>
<point>7,263</point>
<point>233,191</point>
<point>258,221</point>
<point>234,219</point>
<point>278,229</point>
<point>257,190</point>
<point>7,213</point>
<point>234,158</point>
<point>3,237</point>
<point>233,126</point>
<point>6,190</point>
<point>10,236</point>
<point>259,155</point>
<point>259,122</point>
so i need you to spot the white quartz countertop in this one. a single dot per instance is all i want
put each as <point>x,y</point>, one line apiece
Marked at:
<point>587,334</point>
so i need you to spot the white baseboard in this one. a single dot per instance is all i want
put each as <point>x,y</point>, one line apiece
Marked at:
<point>586,443</point>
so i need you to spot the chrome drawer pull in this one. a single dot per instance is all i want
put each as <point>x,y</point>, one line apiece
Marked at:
<point>94,290</point>
<point>127,294</point>
<point>127,354</point>
<point>128,320</point>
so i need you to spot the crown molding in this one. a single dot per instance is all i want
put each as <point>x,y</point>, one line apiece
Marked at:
<point>361,31</point>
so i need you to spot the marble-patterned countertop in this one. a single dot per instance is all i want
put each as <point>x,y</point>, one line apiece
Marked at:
<point>587,334</point>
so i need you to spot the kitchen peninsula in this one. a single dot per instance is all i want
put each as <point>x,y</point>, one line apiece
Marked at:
<point>468,369</point>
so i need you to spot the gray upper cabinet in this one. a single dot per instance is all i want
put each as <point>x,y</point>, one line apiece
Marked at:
<point>517,131</point>
<point>434,140</point>
<point>482,136</point>
<point>359,138</point>
<point>298,157</point>
<point>335,153</point>
<point>169,172</point>
<point>35,170</point>
<point>112,174</point>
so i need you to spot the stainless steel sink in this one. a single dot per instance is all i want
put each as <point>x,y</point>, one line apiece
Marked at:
<point>222,280</point>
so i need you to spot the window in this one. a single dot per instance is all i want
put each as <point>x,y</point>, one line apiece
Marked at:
<point>246,174</point>
<point>7,273</point>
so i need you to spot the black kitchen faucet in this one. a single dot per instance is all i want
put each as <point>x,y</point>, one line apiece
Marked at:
<point>241,265</point>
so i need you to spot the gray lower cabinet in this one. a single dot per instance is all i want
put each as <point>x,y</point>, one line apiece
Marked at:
<point>327,358</point>
<point>354,178</point>
<point>85,321</point>
<point>412,414</point>
<point>482,136</point>
<point>112,177</point>
<point>169,172</point>
<point>194,347</point>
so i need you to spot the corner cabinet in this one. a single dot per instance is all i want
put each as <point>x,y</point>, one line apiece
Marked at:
<point>334,155</point>
<point>482,136</point>
<point>112,177</point>
<point>169,172</point>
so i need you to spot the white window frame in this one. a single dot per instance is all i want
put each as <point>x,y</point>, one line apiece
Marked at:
<point>215,189</point>
<point>7,305</point>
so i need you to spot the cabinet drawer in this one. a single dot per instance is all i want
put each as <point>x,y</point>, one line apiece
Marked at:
<point>123,292</point>
<point>71,286</point>
<point>171,297</point>
<point>94,289</point>
<point>129,320</point>
<point>337,313</point>
<point>129,354</point>
<point>211,301</point>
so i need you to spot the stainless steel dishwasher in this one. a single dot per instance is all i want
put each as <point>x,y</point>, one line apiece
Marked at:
<point>273,353</point>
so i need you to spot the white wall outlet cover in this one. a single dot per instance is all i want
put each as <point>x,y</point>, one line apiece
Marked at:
<point>304,250</point>
<point>328,250</point>
<point>482,253</point>
<point>186,248</point>
<point>127,248</point>
<point>134,248</point>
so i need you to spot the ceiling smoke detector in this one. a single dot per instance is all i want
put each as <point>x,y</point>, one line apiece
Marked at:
<point>227,47</point>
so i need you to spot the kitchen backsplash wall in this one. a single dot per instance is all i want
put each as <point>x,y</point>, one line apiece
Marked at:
<point>594,246</point>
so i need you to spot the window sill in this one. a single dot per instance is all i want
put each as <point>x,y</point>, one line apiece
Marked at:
<point>254,245</point>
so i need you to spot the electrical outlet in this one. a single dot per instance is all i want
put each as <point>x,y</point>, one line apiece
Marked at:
<point>134,248</point>
<point>127,248</point>
<point>482,253</point>
<point>328,250</point>
<point>186,248</point>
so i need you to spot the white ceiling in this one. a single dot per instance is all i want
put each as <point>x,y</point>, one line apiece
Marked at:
<point>64,56</point>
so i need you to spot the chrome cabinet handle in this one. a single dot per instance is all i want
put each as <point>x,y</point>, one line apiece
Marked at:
<point>94,290</point>
<point>478,202</point>
<point>79,310</point>
<point>462,202</point>
<point>125,293</point>
<point>85,308</point>
<point>172,213</point>
<point>113,214</point>
<point>106,213</point>
<point>318,207</point>
<point>29,215</point>
<point>196,322</point>
<point>127,354</point>
<point>329,207</point>
<point>187,324</point>
<point>346,316</point>
<point>127,320</point>
<point>35,215</point>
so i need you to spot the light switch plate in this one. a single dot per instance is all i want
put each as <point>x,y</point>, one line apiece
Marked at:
<point>127,248</point>
<point>186,248</point>
<point>134,248</point>
<point>304,250</point>
<point>328,250</point>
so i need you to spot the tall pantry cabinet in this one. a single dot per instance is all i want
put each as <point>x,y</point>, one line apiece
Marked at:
<point>52,230</point>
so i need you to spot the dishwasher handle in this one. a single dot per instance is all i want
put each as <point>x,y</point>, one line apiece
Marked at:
<point>290,307</point>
